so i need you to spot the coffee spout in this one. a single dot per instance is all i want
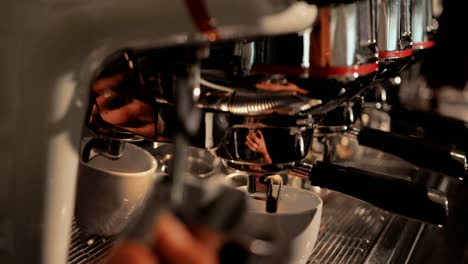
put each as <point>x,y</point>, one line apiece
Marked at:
<point>107,147</point>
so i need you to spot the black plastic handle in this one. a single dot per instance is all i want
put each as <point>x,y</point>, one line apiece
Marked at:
<point>418,151</point>
<point>390,193</point>
<point>431,125</point>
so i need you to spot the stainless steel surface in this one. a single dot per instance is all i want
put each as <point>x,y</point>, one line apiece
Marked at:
<point>252,103</point>
<point>460,156</point>
<point>86,249</point>
<point>388,24</point>
<point>342,37</point>
<point>393,36</point>
<point>393,25</point>
<point>108,147</point>
<point>396,242</point>
<point>421,21</point>
<point>273,199</point>
<point>405,24</point>
<point>331,61</point>
<point>348,231</point>
<point>255,144</point>
<point>346,17</point>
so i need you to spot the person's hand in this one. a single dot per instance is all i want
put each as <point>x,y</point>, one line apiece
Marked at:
<point>117,108</point>
<point>174,244</point>
<point>255,142</point>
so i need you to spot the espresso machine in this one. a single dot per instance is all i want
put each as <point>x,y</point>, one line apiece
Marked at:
<point>60,45</point>
<point>66,45</point>
<point>250,85</point>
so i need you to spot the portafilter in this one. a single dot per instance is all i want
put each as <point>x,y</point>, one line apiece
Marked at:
<point>352,119</point>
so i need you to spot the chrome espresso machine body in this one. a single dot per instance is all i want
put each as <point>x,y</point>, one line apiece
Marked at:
<point>51,49</point>
<point>252,85</point>
<point>56,54</point>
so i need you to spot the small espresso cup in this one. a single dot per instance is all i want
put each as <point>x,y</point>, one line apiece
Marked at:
<point>111,192</point>
<point>297,220</point>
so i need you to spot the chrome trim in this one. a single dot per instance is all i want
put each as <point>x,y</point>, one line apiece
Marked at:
<point>415,243</point>
<point>321,130</point>
<point>438,197</point>
<point>388,24</point>
<point>421,20</point>
<point>107,147</point>
<point>344,34</point>
<point>460,156</point>
<point>390,247</point>
<point>393,25</point>
<point>246,51</point>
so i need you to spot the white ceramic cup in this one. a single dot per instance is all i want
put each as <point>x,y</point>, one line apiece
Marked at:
<point>297,219</point>
<point>110,192</point>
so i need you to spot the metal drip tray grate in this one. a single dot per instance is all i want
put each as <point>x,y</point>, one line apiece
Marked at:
<point>348,230</point>
<point>86,249</point>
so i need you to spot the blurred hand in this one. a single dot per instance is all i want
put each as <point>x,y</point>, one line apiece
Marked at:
<point>116,107</point>
<point>174,244</point>
<point>256,142</point>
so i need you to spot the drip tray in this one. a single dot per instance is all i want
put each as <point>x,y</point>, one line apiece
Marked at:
<point>86,249</point>
<point>348,232</point>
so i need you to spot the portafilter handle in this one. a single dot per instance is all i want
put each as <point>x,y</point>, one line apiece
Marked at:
<point>443,158</point>
<point>430,124</point>
<point>390,193</point>
<point>419,151</point>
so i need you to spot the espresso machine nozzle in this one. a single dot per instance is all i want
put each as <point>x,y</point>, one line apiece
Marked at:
<point>108,147</point>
